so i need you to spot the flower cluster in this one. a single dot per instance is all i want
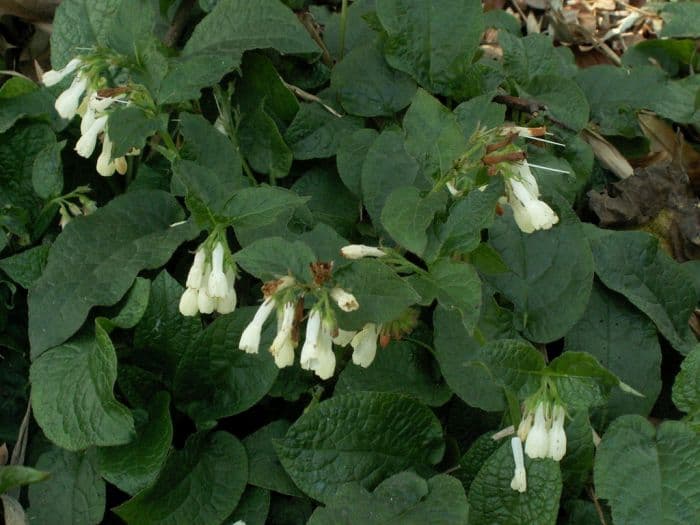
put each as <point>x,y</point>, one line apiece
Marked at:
<point>93,110</point>
<point>523,195</point>
<point>69,210</point>
<point>210,281</point>
<point>542,430</point>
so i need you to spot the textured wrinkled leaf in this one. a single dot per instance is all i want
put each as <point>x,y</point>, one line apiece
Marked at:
<point>260,205</point>
<point>363,437</point>
<point>21,98</point>
<point>478,374</point>
<point>649,475</point>
<point>253,507</point>
<point>134,467</point>
<point>129,128</point>
<point>95,259</point>
<point>47,172</point>
<point>402,367</point>
<point>433,42</point>
<point>479,112</point>
<point>686,388</point>
<point>214,379</point>
<point>74,494</point>
<point>433,136</point>
<point>129,311</point>
<point>382,295</point>
<point>407,215</point>
<point>577,464</point>
<point>262,144</point>
<point>550,277</point>
<point>72,397</point>
<point>274,257</point>
<point>201,484</point>
<point>681,20</point>
<point>403,498</point>
<point>473,459</point>
<point>25,267</point>
<point>262,84</point>
<point>580,379</point>
<point>624,340</point>
<point>493,501</point>
<point>210,148</point>
<point>264,467</point>
<point>351,156</point>
<point>632,264</point>
<point>563,99</point>
<point>534,55</point>
<point>12,476</point>
<point>316,133</point>
<point>457,287</point>
<point>367,86</point>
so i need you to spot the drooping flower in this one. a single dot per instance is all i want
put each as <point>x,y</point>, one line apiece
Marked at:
<point>358,251</point>
<point>519,481</point>
<point>105,165</point>
<point>525,426</point>
<point>317,352</point>
<point>537,443</point>
<point>282,348</point>
<point>364,345</point>
<point>523,193</point>
<point>557,435</point>
<point>194,277</point>
<point>250,338</point>
<point>227,303</point>
<point>344,337</point>
<point>217,285</point>
<point>189,302</point>
<point>345,300</point>
<point>86,144</point>
<point>53,77</point>
<point>67,102</point>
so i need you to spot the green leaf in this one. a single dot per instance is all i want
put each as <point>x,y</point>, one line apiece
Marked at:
<point>131,28</point>
<point>134,467</point>
<point>632,264</point>
<point>274,257</point>
<point>262,144</point>
<point>72,395</point>
<point>260,205</point>
<point>577,464</point>
<point>129,128</point>
<point>649,475</point>
<point>473,459</point>
<point>387,166</point>
<point>163,332</point>
<point>479,112</point>
<point>12,476</point>
<point>433,43</point>
<point>479,374</point>
<point>214,379</point>
<point>74,494</point>
<point>493,501</point>
<point>402,367</point>
<point>22,98</point>
<point>367,86</point>
<point>550,277</point>
<point>433,136</point>
<point>580,379</point>
<point>264,468</point>
<point>563,98</point>
<point>534,55</point>
<point>357,28</point>
<point>47,172</point>
<point>252,508</point>
<point>404,498</point>
<point>363,437</point>
<point>624,340</point>
<point>211,149</point>
<point>383,296</point>
<point>96,258</point>
<point>457,287</point>
<point>316,133</point>
<point>26,267</point>
<point>407,216</point>
<point>261,84</point>
<point>80,24</point>
<point>129,311</point>
<point>686,388</point>
<point>201,484</point>
<point>351,156</point>
<point>681,20</point>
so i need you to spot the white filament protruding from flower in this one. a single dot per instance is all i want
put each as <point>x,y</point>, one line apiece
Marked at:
<point>364,345</point>
<point>53,77</point>
<point>194,277</point>
<point>189,302</point>
<point>547,168</point>
<point>282,348</point>
<point>105,166</point>
<point>537,443</point>
<point>557,435</point>
<point>358,251</point>
<point>250,338</point>
<point>344,337</point>
<point>67,102</point>
<point>227,303</point>
<point>217,285</point>
<point>86,144</point>
<point>345,300</point>
<point>519,481</point>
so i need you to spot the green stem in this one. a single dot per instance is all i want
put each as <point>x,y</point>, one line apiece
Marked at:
<point>343,26</point>
<point>169,143</point>
<point>419,343</point>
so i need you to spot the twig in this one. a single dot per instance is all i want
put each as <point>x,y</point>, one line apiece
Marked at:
<point>529,106</point>
<point>179,21</point>
<point>305,95</point>
<point>309,24</point>
<point>596,504</point>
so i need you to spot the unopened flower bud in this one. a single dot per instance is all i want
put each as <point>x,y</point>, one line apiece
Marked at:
<point>345,300</point>
<point>358,251</point>
<point>53,77</point>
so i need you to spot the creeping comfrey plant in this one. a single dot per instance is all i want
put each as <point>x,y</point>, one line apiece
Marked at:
<point>343,274</point>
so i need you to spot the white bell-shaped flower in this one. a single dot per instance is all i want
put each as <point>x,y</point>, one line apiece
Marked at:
<point>537,443</point>
<point>86,144</point>
<point>325,362</point>
<point>519,481</point>
<point>250,338</point>
<point>345,300</point>
<point>364,345</point>
<point>358,251</point>
<point>309,352</point>
<point>105,165</point>
<point>206,302</point>
<point>344,337</point>
<point>194,277</point>
<point>189,302</point>
<point>67,102</point>
<point>557,435</point>
<point>53,77</point>
<point>282,348</point>
<point>90,114</point>
<point>529,212</point>
<point>217,286</point>
<point>227,303</point>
